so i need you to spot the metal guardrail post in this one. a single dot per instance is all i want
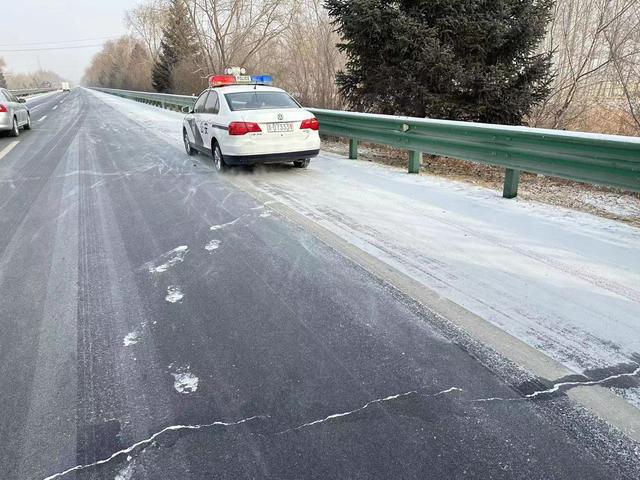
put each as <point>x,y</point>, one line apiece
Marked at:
<point>353,149</point>
<point>415,159</point>
<point>511,179</point>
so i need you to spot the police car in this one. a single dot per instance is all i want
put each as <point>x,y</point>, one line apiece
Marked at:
<point>243,120</point>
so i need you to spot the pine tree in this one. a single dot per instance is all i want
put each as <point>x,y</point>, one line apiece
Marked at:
<point>452,59</point>
<point>178,44</point>
<point>3,81</point>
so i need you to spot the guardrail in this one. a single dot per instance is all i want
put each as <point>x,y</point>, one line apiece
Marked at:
<point>609,160</point>
<point>163,100</point>
<point>31,91</point>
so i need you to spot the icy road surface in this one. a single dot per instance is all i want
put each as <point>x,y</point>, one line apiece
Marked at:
<point>565,282</point>
<point>158,322</point>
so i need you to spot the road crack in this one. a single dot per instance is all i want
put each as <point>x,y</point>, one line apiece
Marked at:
<point>365,406</point>
<point>142,444</point>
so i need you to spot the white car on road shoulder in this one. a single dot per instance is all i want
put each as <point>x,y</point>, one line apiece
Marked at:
<point>243,123</point>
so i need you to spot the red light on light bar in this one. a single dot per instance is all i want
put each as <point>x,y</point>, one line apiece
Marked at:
<point>222,80</point>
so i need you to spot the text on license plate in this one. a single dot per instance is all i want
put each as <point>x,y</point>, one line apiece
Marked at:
<point>279,127</point>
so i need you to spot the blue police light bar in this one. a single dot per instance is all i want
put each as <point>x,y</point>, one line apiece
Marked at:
<point>262,79</point>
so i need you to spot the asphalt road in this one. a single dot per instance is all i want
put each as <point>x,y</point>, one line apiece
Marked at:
<point>155,317</point>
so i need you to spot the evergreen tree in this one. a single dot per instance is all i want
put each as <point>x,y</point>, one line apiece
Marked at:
<point>3,81</point>
<point>178,44</point>
<point>472,60</point>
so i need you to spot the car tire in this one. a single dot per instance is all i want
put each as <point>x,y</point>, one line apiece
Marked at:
<point>301,163</point>
<point>15,131</point>
<point>218,159</point>
<point>27,126</point>
<point>187,144</point>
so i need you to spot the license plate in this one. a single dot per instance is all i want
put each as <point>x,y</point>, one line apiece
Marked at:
<point>279,127</point>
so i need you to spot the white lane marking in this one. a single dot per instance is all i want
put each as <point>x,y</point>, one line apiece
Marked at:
<point>41,119</point>
<point>54,107</point>
<point>8,148</point>
<point>33,108</point>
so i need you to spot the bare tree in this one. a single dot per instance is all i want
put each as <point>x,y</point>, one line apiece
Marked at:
<point>595,44</point>
<point>146,21</point>
<point>232,32</point>
<point>123,63</point>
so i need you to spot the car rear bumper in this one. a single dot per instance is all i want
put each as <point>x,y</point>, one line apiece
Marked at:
<point>6,121</point>
<point>269,157</point>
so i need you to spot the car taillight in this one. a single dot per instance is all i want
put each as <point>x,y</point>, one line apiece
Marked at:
<point>310,123</point>
<point>3,109</point>
<point>241,128</point>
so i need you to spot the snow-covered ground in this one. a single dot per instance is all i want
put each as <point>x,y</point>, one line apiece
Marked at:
<point>565,282</point>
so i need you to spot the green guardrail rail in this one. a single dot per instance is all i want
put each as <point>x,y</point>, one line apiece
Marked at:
<point>609,160</point>
<point>31,91</point>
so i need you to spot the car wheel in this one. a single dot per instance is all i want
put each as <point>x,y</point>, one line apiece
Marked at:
<point>187,145</point>
<point>218,160</point>
<point>15,131</point>
<point>301,163</point>
<point>27,125</point>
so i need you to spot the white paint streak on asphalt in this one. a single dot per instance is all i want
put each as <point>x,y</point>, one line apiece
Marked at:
<point>42,118</point>
<point>151,439</point>
<point>5,151</point>
<point>54,107</point>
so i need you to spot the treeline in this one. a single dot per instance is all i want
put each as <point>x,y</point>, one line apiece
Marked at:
<point>19,81</point>
<point>572,64</point>
<point>185,41</point>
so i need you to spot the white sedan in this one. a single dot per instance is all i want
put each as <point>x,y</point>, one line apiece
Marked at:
<point>250,124</point>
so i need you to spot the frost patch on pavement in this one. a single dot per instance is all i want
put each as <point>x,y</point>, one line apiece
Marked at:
<point>174,294</point>
<point>125,474</point>
<point>185,382</point>
<point>131,338</point>
<point>169,259</point>
<point>223,225</point>
<point>212,245</point>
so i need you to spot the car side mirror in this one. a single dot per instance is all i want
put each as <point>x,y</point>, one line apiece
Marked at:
<point>22,100</point>
<point>187,109</point>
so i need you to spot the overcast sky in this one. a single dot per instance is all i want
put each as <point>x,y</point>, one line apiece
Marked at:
<point>51,23</point>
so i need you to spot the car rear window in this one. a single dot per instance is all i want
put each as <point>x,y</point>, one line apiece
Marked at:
<point>259,100</point>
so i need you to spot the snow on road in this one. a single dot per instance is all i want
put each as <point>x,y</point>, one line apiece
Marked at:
<point>565,282</point>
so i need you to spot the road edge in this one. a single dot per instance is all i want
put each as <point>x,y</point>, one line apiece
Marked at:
<point>599,401</point>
